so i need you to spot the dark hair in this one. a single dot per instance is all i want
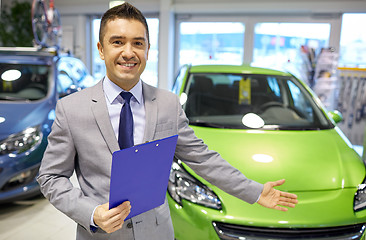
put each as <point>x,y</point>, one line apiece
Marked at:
<point>123,11</point>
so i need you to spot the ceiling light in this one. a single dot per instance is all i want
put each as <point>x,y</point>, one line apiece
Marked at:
<point>11,75</point>
<point>252,120</point>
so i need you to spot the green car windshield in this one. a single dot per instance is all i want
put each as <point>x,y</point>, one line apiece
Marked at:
<point>23,82</point>
<point>256,101</point>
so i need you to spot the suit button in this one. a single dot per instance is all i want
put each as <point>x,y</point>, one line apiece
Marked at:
<point>129,225</point>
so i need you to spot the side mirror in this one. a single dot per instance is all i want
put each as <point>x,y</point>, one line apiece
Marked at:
<point>336,116</point>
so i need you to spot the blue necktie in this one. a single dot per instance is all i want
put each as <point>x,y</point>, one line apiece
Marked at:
<point>125,136</point>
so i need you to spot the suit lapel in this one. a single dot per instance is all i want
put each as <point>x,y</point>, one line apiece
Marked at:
<point>151,111</point>
<point>100,112</point>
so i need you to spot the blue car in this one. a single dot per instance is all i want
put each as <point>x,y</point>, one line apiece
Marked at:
<point>31,82</point>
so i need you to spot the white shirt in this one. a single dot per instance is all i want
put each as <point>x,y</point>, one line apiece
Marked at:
<point>115,103</point>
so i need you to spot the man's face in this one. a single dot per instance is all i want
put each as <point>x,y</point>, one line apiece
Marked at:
<point>125,51</point>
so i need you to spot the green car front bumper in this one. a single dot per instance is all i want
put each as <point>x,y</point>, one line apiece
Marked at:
<point>330,219</point>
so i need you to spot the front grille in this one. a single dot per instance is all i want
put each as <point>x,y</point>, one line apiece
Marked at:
<point>232,232</point>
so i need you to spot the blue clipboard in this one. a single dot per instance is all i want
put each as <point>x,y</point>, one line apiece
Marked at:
<point>140,175</point>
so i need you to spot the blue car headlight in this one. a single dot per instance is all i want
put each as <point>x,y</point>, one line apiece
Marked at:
<point>22,141</point>
<point>184,186</point>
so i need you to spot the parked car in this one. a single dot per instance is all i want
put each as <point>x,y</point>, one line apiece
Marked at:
<point>270,126</point>
<point>31,81</point>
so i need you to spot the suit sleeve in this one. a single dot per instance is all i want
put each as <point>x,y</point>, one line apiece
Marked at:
<point>210,165</point>
<point>57,167</point>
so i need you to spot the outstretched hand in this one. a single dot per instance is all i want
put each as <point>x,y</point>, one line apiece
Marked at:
<point>272,198</point>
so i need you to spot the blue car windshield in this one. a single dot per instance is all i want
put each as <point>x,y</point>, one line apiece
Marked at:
<point>23,82</point>
<point>252,101</point>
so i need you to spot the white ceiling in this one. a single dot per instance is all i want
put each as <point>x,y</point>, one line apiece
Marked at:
<point>76,7</point>
<point>220,6</point>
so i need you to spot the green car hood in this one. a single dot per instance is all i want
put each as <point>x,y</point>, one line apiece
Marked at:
<point>308,160</point>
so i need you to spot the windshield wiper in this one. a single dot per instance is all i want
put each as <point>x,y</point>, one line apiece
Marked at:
<point>11,98</point>
<point>205,124</point>
<point>299,128</point>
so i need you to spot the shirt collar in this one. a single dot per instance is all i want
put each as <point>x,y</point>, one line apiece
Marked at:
<point>112,90</point>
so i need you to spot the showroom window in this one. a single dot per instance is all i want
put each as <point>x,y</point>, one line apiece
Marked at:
<point>353,41</point>
<point>150,75</point>
<point>278,45</point>
<point>211,43</point>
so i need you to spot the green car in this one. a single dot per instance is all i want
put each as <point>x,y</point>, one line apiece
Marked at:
<point>270,126</point>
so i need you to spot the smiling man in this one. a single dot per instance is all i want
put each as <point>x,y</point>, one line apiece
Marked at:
<point>124,47</point>
<point>87,130</point>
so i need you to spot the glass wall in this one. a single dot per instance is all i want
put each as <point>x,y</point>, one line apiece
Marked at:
<point>150,75</point>
<point>353,41</point>
<point>98,68</point>
<point>288,46</point>
<point>270,42</point>
<point>211,43</point>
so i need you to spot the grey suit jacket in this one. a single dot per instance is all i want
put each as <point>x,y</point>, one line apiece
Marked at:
<point>82,139</point>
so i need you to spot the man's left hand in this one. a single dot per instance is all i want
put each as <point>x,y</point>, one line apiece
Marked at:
<point>275,199</point>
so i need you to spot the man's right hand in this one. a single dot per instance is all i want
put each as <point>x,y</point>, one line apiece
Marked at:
<point>113,219</point>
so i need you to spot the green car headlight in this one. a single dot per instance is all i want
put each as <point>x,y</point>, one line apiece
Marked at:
<point>360,198</point>
<point>21,142</point>
<point>184,186</point>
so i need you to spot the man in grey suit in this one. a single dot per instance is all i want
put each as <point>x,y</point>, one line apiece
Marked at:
<point>85,132</point>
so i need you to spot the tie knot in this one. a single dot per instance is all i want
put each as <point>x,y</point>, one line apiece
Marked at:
<point>126,96</point>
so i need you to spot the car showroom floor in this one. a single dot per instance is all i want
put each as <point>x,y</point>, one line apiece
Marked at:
<point>37,219</point>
